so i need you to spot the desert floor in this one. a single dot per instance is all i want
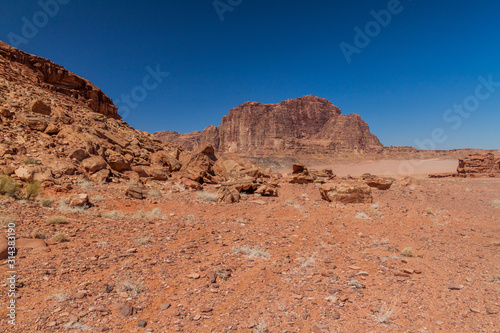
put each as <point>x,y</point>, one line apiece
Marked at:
<point>422,258</point>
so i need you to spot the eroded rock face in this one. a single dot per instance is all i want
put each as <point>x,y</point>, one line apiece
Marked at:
<point>304,124</point>
<point>479,164</point>
<point>53,77</point>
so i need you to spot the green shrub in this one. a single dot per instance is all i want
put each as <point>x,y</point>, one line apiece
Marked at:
<point>32,189</point>
<point>30,161</point>
<point>8,186</point>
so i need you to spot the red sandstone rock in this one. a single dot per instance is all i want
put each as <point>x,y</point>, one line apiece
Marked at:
<point>308,123</point>
<point>346,192</point>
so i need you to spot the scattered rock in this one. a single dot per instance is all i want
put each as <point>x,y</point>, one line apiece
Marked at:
<point>346,192</point>
<point>37,106</point>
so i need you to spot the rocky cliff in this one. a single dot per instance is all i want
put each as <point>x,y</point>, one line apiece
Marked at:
<point>303,125</point>
<point>34,70</point>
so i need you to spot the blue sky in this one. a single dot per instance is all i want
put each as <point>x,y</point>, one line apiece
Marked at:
<point>405,76</point>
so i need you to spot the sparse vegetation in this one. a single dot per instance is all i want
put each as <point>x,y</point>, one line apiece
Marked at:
<point>207,196</point>
<point>85,184</point>
<point>386,314</point>
<point>191,218</point>
<point>6,220</point>
<point>362,216</point>
<point>495,203</point>
<point>37,234</point>
<point>114,215</point>
<point>97,199</point>
<point>46,202</point>
<point>154,214</point>
<point>154,193</point>
<point>32,189</point>
<point>429,211</point>
<point>57,220</point>
<point>495,278</point>
<point>252,252</point>
<point>30,161</point>
<point>8,186</point>
<point>133,288</point>
<point>60,237</point>
<point>307,261</point>
<point>289,203</point>
<point>408,252</point>
<point>61,296</point>
<point>143,240</point>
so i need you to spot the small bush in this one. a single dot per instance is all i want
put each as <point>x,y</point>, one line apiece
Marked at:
<point>207,196</point>
<point>362,216</point>
<point>495,203</point>
<point>37,234</point>
<point>46,202</point>
<point>154,193</point>
<point>143,240</point>
<point>32,189</point>
<point>57,220</point>
<point>8,186</point>
<point>85,184</point>
<point>97,199</point>
<point>154,214</point>
<point>6,220</point>
<point>132,287</point>
<point>30,161</point>
<point>408,252</point>
<point>252,252</point>
<point>115,215</point>
<point>495,278</point>
<point>289,203</point>
<point>60,237</point>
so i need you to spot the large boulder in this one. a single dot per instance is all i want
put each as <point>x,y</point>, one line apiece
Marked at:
<point>37,106</point>
<point>162,159</point>
<point>228,194</point>
<point>346,192</point>
<point>29,173</point>
<point>300,175</point>
<point>377,182</point>
<point>36,123</point>
<point>94,164</point>
<point>199,166</point>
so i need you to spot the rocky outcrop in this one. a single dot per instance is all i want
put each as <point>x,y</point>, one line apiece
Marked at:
<point>346,192</point>
<point>479,165</point>
<point>52,77</point>
<point>307,124</point>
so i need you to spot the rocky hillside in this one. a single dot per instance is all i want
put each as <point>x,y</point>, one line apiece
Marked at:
<point>303,125</point>
<point>55,125</point>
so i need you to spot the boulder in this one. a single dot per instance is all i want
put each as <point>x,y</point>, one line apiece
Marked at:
<point>79,200</point>
<point>101,176</point>
<point>4,247</point>
<point>35,123</point>
<point>37,106</point>
<point>162,159</point>
<point>200,165</point>
<point>377,182</point>
<point>94,164</point>
<point>117,162</point>
<point>346,192</point>
<point>29,173</point>
<point>228,194</point>
<point>136,192</point>
<point>78,154</point>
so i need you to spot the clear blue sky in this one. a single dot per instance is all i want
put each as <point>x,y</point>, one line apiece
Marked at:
<point>426,59</point>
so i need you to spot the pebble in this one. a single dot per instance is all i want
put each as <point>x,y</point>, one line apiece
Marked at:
<point>206,309</point>
<point>126,309</point>
<point>475,310</point>
<point>194,276</point>
<point>336,315</point>
<point>356,268</point>
<point>142,323</point>
<point>165,306</point>
<point>455,287</point>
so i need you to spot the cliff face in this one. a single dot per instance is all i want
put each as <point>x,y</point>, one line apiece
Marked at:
<point>308,124</point>
<point>45,74</point>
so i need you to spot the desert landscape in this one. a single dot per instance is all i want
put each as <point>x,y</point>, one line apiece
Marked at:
<point>301,222</point>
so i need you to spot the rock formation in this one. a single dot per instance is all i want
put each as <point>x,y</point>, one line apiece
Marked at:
<point>307,124</point>
<point>479,165</point>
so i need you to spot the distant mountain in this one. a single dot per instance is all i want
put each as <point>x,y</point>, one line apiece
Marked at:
<point>307,125</point>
